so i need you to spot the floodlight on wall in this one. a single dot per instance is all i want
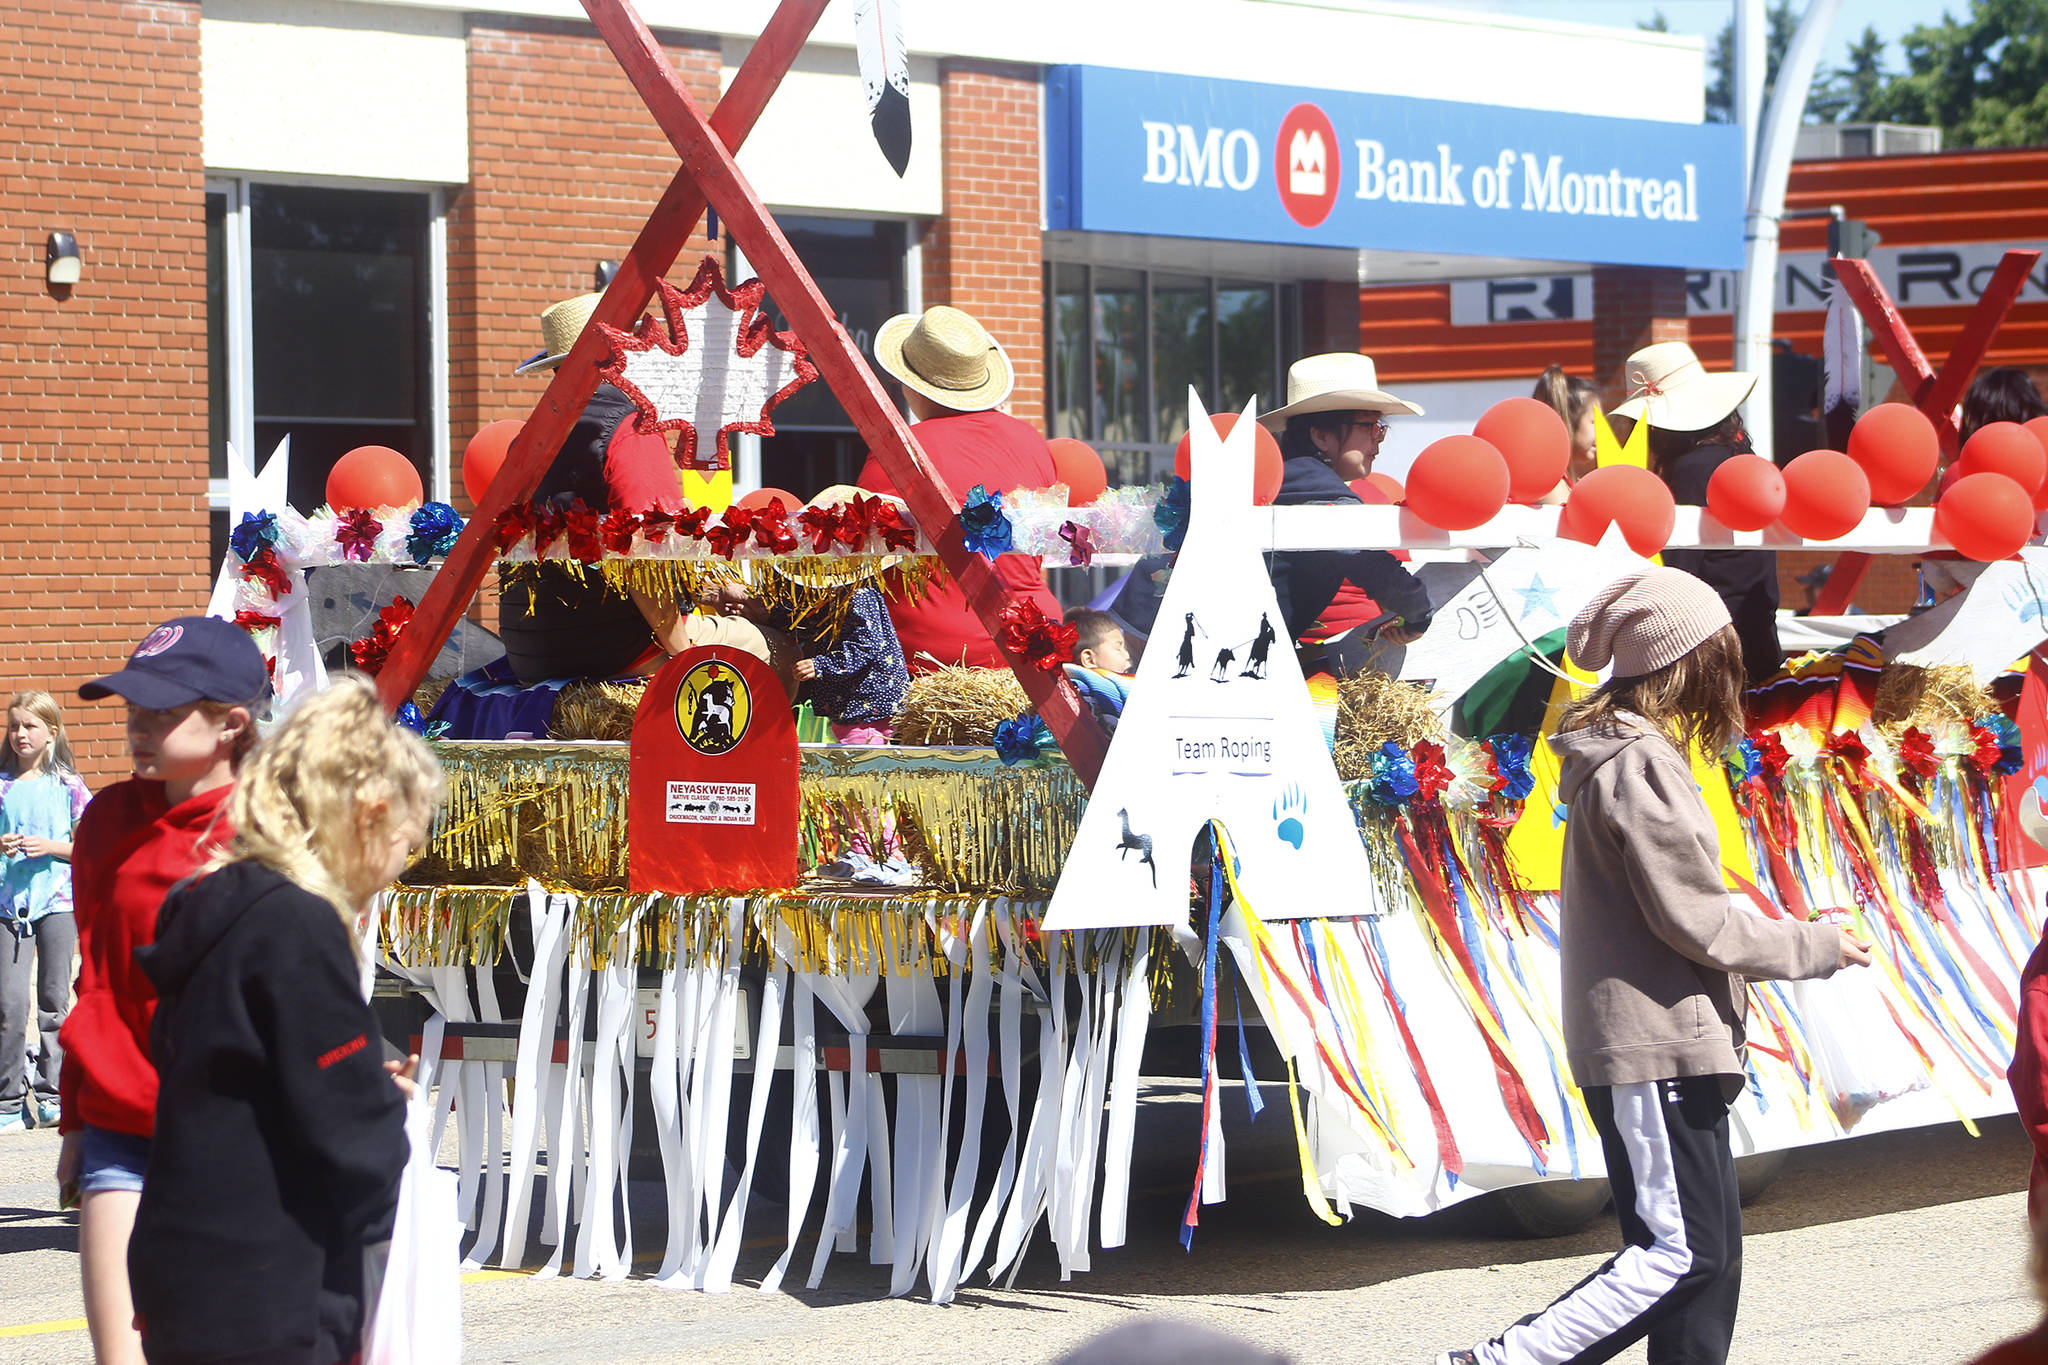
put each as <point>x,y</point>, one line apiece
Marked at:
<point>60,258</point>
<point>605,271</point>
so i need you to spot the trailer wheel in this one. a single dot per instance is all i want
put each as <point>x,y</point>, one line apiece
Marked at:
<point>1754,1174</point>
<point>1548,1208</point>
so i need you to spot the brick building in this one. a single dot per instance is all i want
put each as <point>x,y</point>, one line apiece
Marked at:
<point>338,222</point>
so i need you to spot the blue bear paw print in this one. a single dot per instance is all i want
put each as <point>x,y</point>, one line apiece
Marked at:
<point>1287,811</point>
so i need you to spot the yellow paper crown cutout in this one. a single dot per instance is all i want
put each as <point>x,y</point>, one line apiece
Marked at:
<point>1609,450</point>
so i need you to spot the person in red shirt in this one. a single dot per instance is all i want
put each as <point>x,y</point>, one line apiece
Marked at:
<point>956,377</point>
<point>193,687</point>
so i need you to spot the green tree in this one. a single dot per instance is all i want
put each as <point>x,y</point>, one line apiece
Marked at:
<point>1782,22</point>
<point>1982,79</point>
<point>1847,94</point>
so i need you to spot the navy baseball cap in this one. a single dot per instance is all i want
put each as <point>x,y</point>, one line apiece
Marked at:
<point>194,658</point>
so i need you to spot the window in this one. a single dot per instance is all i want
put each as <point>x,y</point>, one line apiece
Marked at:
<point>1123,347</point>
<point>321,306</point>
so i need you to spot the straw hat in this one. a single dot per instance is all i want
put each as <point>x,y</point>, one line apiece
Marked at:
<point>947,356</point>
<point>1343,381</point>
<point>1671,389</point>
<point>560,325</point>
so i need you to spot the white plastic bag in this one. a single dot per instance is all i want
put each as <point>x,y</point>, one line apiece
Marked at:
<point>1862,1057</point>
<point>415,1317</point>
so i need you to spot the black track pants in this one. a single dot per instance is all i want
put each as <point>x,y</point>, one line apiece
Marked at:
<point>1677,1279</point>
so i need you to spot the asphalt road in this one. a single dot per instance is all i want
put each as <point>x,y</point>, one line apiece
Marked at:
<point>1894,1248</point>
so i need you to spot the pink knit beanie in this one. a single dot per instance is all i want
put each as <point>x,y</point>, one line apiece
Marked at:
<point>1645,620</point>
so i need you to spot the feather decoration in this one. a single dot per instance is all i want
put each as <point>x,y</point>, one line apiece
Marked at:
<point>885,75</point>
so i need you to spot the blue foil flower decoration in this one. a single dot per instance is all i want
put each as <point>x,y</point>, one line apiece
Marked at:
<point>257,533</point>
<point>1171,515</point>
<point>435,528</point>
<point>2011,757</point>
<point>1393,775</point>
<point>983,523</point>
<point>1022,739</point>
<point>409,716</point>
<point>1745,764</point>
<point>1511,759</point>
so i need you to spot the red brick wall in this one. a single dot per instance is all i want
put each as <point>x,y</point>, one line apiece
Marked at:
<point>983,256</point>
<point>565,165</point>
<point>103,435</point>
<point>1330,319</point>
<point>1633,307</point>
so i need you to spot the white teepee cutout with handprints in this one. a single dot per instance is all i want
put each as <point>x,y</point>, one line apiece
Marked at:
<point>1219,726</point>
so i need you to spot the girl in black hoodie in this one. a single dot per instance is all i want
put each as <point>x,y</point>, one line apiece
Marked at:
<point>280,1137</point>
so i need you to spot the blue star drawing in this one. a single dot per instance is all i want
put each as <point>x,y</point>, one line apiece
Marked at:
<point>2028,606</point>
<point>1537,597</point>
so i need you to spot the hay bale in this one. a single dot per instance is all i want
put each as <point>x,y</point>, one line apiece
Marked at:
<point>1372,708</point>
<point>1908,694</point>
<point>959,706</point>
<point>597,710</point>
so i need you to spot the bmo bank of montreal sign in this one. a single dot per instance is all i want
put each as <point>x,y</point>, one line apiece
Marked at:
<point>1179,156</point>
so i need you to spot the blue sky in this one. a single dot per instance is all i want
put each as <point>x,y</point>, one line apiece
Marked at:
<point>1705,17</point>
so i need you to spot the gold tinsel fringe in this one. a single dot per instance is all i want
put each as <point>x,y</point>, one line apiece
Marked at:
<point>1372,708</point>
<point>959,706</point>
<point>555,813</point>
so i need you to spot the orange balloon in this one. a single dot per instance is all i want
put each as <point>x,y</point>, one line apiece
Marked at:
<point>1896,446</point>
<point>1985,516</point>
<point>485,455</point>
<point>1379,490</point>
<point>1623,495</point>
<point>761,497</point>
<point>1458,482</point>
<point>2006,448</point>
<point>2039,426</point>
<point>1532,438</point>
<point>371,477</point>
<point>1265,457</point>
<point>1746,493</point>
<point>1076,465</point>
<point>1826,495</point>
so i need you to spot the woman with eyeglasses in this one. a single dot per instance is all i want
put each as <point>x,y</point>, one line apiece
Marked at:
<point>1329,433</point>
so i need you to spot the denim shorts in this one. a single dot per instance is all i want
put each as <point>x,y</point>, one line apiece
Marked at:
<point>111,1161</point>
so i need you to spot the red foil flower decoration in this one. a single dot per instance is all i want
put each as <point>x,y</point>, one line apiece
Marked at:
<point>618,530</point>
<point>1432,774</point>
<point>547,529</point>
<point>1771,751</point>
<point>266,568</point>
<point>580,525</point>
<point>655,524</point>
<point>822,525</point>
<point>516,525</point>
<point>772,531</point>
<point>693,523</point>
<point>356,533</point>
<point>732,530</point>
<point>1916,751</point>
<point>897,534</point>
<point>1030,636</point>
<point>1985,758</point>
<point>371,652</point>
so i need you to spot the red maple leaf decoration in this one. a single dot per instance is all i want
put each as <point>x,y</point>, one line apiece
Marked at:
<point>728,377</point>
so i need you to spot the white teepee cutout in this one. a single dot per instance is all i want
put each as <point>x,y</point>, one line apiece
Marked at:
<point>1219,726</point>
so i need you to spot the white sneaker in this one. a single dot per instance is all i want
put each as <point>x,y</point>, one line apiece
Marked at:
<point>14,1121</point>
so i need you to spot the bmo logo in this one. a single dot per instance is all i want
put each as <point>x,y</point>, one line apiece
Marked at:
<point>1306,165</point>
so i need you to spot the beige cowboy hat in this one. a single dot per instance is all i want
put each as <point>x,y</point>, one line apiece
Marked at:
<point>1669,388</point>
<point>947,356</point>
<point>560,325</point>
<point>1342,381</point>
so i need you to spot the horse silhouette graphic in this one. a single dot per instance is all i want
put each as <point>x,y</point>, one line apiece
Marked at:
<point>1140,842</point>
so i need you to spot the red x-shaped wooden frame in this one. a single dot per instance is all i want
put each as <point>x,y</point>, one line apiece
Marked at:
<point>709,174</point>
<point>1934,393</point>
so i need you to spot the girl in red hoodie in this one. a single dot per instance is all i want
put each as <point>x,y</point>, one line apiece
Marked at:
<point>193,687</point>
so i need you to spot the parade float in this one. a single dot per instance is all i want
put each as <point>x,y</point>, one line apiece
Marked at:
<point>929,1067</point>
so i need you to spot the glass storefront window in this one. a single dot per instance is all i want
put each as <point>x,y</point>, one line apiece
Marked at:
<point>1124,346</point>
<point>338,327</point>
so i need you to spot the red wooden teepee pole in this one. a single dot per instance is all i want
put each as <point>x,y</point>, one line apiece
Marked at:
<point>556,411</point>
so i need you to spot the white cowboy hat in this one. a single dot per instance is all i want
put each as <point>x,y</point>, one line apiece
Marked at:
<point>560,325</point>
<point>947,356</point>
<point>1668,387</point>
<point>1342,381</point>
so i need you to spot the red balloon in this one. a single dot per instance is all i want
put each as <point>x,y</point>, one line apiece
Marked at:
<point>2039,426</point>
<point>1746,493</point>
<point>1378,490</point>
<point>1826,495</point>
<point>1532,438</point>
<point>761,497</point>
<point>370,477</point>
<point>1076,465</point>
<point>1896,446</point>
<point>1985,516</point>
<point>1457,483</point>
<point>2006,448</point>
<point>485,455</point>
<point>1624,495</point>
<point>1389,486</point>
<point>1265,458</point>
